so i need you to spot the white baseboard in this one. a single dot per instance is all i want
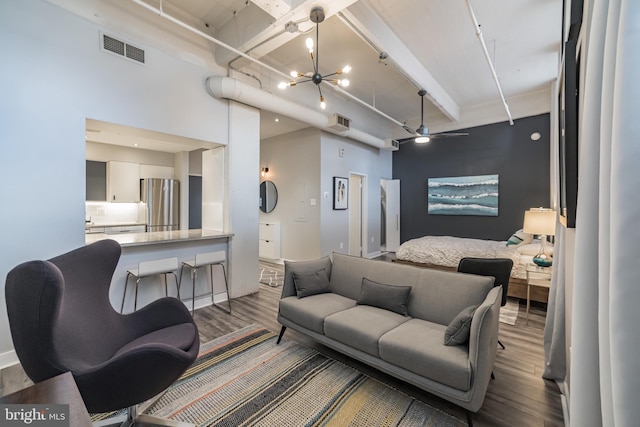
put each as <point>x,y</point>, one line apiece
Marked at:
<point>8,358</point>
<point>374,254</point>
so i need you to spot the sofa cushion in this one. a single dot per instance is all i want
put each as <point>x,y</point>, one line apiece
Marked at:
<point>416,345</point>
<point>457,333</point>
<point>348,271</point>
<point>312,283</point>
<point>311,311</point>
<point>362,326</point>
<point>437,296</point>
<point>389,297</point>
<point>288,288</point>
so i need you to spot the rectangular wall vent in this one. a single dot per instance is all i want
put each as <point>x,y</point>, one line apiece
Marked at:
<point>340,123</point>
<point>120,48</point>
<point>391,144</point>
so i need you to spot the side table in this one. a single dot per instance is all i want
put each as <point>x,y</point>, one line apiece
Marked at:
<point>536,276</point>
<point>59,389</point>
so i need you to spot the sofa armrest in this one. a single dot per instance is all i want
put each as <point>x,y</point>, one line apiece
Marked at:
<point>483,344</point>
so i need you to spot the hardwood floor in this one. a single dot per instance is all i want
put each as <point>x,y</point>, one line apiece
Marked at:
<point>517,397</point>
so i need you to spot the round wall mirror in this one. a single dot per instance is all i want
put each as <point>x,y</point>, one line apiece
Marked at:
<point>268,196</point>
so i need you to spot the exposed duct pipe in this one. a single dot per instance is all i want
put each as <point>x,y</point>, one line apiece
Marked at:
<point>488,57</point>
<point>162,14</point>
<point>229,88</point>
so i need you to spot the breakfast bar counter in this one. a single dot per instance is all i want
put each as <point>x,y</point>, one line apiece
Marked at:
<point>159,245</point>
<point>158,237</point>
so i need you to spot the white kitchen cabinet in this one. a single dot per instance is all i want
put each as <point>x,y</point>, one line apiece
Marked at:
<point>269,240</point>
<point>123,182</point>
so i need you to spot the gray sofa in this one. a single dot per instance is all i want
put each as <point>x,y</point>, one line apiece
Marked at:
<point>355,306</point>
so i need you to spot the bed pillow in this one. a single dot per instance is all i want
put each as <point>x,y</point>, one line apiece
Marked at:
<point>533,249</point>
<point>313,283</point>
<point>519,238</point>
<point>459,329</point>
<point>390,297</point>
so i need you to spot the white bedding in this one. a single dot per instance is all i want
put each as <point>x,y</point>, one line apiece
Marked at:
<point>447,251</point>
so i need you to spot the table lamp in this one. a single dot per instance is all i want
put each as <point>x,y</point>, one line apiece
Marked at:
<point>542,222</point>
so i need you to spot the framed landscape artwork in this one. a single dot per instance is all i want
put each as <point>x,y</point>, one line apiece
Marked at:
<point>340,193</point>
<point>463,195</point>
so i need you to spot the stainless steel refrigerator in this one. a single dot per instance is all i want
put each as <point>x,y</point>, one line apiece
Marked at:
<point>162,199</point>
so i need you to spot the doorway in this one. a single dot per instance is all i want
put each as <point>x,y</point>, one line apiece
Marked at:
<point>357,214</point>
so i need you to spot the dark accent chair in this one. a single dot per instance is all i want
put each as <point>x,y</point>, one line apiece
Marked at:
<point>499,268</point>
<point>61,320</point>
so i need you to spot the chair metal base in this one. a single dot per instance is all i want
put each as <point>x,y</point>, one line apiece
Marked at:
<point>133,418</point>
<point>135,415</point>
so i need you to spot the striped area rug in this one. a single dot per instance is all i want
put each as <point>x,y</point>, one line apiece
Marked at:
<point>245,379</point>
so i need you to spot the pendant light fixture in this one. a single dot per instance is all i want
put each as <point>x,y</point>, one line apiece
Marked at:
<point>316,16</point>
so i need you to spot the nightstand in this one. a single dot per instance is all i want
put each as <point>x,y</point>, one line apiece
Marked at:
<point>536,276</point>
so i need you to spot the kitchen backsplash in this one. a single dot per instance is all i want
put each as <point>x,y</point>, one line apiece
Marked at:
<point>114,213</point>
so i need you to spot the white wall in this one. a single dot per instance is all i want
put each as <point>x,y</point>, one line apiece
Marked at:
<point>294,167</point>
<point>242,197</point>
<point>360,159</point>
<point>53,77</point>
<point>302,165</point>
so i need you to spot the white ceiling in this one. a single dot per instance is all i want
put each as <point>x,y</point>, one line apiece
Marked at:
<point>430,44</point>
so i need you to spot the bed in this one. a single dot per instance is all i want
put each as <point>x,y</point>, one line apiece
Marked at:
<point>445,252</point>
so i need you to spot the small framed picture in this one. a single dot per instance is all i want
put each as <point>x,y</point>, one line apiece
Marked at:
<point>340,193</point>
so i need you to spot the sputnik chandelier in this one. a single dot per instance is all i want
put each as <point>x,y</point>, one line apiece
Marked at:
<point>316,16</point>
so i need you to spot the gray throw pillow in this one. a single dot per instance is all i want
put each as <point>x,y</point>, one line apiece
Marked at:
<point>289,288</point>
<point>459,329</point>
<point>308,284</point>
<point>390,297</point>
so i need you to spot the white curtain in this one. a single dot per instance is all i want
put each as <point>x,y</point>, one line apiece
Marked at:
<point>605,326</point>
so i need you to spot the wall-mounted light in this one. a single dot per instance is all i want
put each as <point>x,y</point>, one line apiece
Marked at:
<point>264,171</point>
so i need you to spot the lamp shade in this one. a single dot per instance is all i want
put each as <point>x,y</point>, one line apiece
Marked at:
<point>540,221</point>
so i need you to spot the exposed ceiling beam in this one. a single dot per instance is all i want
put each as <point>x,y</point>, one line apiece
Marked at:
<point>374,30</point>
<point>262,36</point>
<point>275,8</point>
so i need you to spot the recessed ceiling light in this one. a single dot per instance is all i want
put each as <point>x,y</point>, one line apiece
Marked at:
<point>135,145</point>
<point>535,136</point>
<point>277,119</point>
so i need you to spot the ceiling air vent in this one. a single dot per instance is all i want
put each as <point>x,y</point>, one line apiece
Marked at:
<point>391,144</point>
<point>339,123</point>
<point>120,48</point>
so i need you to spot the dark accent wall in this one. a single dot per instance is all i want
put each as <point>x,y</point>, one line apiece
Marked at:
<point>503,149</point>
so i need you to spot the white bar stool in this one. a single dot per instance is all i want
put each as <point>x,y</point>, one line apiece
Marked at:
<point>202,260</point>
<point>151,268</point>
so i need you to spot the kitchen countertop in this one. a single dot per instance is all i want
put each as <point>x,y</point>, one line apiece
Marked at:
<point>158,237</point>
<point>113,224</point>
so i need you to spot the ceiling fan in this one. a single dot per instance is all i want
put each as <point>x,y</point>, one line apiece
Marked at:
<point>422,135</point>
